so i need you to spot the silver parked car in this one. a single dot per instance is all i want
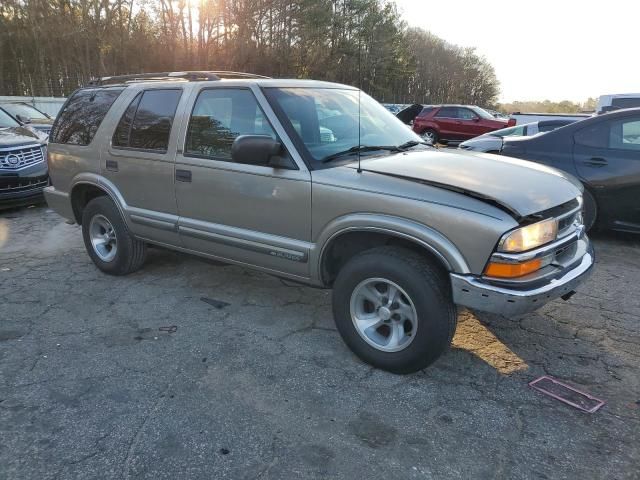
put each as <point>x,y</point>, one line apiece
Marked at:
<point>243,169</point>
<point>492,142</point>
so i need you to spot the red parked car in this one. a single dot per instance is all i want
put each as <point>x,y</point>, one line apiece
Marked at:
<point>456,122</point>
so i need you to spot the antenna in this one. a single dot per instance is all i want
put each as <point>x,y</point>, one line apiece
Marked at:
<point>359,92</point>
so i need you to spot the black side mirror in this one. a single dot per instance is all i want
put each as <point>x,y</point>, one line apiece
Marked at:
<point>23,119</point>
<point>256,150</point>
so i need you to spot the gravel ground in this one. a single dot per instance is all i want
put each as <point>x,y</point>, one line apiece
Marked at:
<point>261,385</point>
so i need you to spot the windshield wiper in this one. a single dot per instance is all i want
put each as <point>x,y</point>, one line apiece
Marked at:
<point>412,143</point>
<point>360,149</point>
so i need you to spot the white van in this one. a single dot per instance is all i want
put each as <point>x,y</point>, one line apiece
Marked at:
<point>608,103</point>
<point>526,118</point>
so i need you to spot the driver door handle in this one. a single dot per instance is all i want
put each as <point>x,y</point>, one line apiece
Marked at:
<point>183,176</point>
<point>596,162</point>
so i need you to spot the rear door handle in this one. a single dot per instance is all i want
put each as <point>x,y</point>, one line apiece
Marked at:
<point>112,165</point>
<point>596,162</point>
<point>183,176</point>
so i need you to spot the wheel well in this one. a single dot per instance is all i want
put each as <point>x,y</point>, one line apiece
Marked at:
<point>345,246</point>
<point>81,195</point>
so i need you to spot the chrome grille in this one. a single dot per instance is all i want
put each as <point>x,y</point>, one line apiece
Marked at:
<point>19,157</point>
<point>569,222</point>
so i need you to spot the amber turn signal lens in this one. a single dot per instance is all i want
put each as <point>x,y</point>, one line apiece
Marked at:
<point>512,270</point>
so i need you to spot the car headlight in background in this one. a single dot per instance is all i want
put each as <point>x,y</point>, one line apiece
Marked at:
<point>529,237</point>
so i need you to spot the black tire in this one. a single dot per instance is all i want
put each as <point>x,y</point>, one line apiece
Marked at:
<point>589,210</point>
<point>435,138</point>
<point>130,253</point>
<point>428,288</point>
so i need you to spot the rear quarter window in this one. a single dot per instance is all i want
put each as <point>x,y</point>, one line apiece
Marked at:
<point>82,115</point>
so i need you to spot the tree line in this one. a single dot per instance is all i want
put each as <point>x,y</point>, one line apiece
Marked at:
<point>50,47</point>
<point>547,106</point>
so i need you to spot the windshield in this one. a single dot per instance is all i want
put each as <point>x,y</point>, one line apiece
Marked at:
<point>26,111</point>
<point>6,121</point>
<point>326,121</point>
<point>483,113</point>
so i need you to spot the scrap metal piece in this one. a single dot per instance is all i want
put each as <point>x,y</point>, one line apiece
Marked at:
<point>169,329</point>
<point>567,394</point>
<point>215,303</point>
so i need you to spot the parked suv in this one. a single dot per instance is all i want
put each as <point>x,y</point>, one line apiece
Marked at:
<point>455,123</point>
<point>243,170</point>
<point>23,170</point>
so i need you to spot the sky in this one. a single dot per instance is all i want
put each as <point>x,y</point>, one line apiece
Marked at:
<point>543,49</point>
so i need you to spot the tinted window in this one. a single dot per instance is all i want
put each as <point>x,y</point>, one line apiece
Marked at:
<point>81,116</point>
<point>123,130</point>
<point>426,111</point>
<point>628,102</point>
<point>625,134</point>
<point>596,136</point>
<point>153,120</point>
<point>219,117</point>
<point>549,125</point>
<point>448,112</point>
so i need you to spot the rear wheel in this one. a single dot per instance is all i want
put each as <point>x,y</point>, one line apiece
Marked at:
<point>589,210</point>
<point>107,239</point>
<point>393,308</point>
<point>430,135</point>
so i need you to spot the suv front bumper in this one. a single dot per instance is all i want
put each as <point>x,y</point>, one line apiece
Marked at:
<point>472,292</point>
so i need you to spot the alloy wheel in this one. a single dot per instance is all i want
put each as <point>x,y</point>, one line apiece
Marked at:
<point>383,314</point>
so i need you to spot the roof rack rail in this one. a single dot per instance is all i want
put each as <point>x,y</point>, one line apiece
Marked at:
<point>190,76</point>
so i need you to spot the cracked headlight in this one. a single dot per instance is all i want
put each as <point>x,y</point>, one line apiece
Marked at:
<point>529,237</point>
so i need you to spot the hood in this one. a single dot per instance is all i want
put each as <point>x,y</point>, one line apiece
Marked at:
<point>522,188</point>
<point>13,136</point>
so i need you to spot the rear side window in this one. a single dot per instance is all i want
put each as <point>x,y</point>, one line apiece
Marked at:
<point>595,136</point>
<point>625,134</point>
<point>123,130</point>
<point>550,125</point>
<point>147,121</point>
<point>426,111</point>
<point>448,112</point>
<point>82,115</point>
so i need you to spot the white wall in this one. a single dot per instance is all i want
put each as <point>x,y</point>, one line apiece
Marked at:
<point>49,105</point>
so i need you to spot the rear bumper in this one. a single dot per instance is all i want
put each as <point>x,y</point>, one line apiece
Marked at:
<point>470,291</point>
<point>59,202</point>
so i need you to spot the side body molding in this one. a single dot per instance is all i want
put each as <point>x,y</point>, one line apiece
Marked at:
<point>134,217</point>
<point>430,239</point>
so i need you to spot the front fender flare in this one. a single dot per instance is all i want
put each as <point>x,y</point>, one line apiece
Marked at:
<point>423,235</point>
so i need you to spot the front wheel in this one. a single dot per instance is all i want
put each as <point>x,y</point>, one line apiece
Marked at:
<point>393,308</point>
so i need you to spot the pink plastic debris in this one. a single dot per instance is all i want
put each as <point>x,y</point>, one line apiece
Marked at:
<point>567,394</point>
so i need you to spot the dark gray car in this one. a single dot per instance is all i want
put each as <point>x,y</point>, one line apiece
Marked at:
<point>318,183</point>
<point>604,153</point>
<point>23,169</point>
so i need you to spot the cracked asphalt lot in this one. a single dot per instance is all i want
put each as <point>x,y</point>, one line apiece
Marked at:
<point>264,387</point>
